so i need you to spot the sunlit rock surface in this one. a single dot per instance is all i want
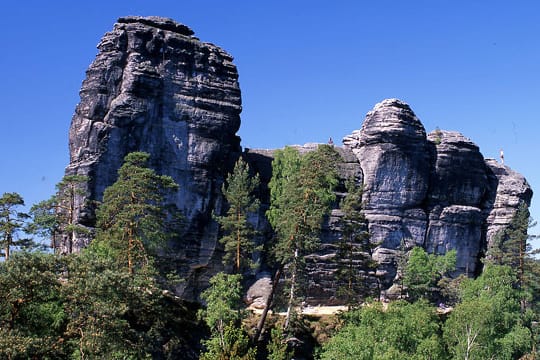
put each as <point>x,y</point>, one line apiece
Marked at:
<point>155,87</point>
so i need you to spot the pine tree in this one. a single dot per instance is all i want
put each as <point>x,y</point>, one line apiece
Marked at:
<point>57,215</point>
<point>132,220</point>
<point>44,221</point>
<point>301,194</point>
<point>238,239</point>
<point>511,247</point>
<point>354,253</point>
<point>68,190</point>
<point>32,317</point>
<point>12,222</point>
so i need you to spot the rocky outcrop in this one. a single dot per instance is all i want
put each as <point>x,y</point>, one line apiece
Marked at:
<point>154,87</point>
<point>434,191</point>
<point>510,189</point>
<point>394,155</point>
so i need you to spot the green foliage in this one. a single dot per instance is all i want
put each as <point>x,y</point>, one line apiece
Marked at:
<point>424,271</point>
<point>44,220</point>
<point>234,346</point>
<point>113,313</point>
<point>12,223</point>
<point>58,215</point>
<point>31,312</point>
<point>84,306</point>
<point>301,191</point>
<point>354,252</point>
<point>402,331</point>
<point>132,220</point>
<point>223,301</point>
<point>68,190</point>
<point>487,324</point>
<point>238,239</point>
<point>511,247</point>
<point>223,315</point>
<point>277,347</point>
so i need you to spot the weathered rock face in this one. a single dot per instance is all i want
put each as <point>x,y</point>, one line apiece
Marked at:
<point>434,191</point>
<point>154,87</point>
<point>457,195</point>
<point>395,156</point>
<point>511,189</point>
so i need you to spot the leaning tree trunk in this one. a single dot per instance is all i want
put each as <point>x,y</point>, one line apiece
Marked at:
<point>292,290</point>
<point>268,304</point>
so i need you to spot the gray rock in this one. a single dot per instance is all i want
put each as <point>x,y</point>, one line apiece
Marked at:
<point>394,156</point>
<point>458,190</point>
<point>459,176</point>
<point>259,291</point>
<point>435,191</point>
<point>508,190</point>
<point>154,87</point>
<point>396,161</point>
<point>459,228</point>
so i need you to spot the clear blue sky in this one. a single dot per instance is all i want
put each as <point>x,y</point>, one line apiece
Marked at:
<point>309,70</point>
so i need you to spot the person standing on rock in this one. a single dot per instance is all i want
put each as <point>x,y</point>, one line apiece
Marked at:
<point>502,156</point>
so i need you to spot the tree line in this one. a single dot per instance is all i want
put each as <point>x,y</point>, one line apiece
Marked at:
<point>115,300</point>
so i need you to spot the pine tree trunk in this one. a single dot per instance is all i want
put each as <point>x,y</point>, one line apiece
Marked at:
<point>292,290</point>
<point>264,314</point>
<point>9,240</point>
<point>71,236</point>
<point>238,242</point>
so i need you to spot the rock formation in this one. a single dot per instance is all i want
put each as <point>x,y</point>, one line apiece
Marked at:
<point>436,191</point>
<point>154,87</point>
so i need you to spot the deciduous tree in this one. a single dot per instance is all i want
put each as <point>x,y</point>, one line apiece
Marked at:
<point>487,323</point>
<point>423,271</point>
<point>223,314</point>
<point>402,331</point>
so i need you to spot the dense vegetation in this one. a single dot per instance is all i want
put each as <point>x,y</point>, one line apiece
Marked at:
<point>113,299</point>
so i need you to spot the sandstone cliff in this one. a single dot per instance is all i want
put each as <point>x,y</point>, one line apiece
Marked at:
<point>155,87</point>
<point>432,190</point>
<point>435,191</point>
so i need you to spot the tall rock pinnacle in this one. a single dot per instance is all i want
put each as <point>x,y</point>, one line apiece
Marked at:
<point>154,87</point>
<point>434,191</point>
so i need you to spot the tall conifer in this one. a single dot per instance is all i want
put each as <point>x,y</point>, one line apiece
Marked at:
<point>132,218</point>
<point>238,238</point>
